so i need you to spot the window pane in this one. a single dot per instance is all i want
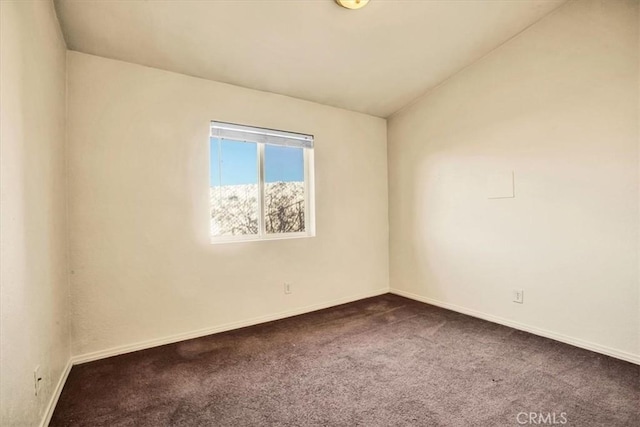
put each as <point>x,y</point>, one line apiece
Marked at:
<point>284,189</point>
<point>233,188</point>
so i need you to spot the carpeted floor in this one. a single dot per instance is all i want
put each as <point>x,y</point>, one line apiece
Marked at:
<point>383,361</point>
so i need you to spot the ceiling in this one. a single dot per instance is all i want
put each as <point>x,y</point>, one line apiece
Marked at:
<point>374,60</point>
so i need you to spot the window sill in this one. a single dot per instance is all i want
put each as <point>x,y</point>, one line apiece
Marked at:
<point>244,239</point>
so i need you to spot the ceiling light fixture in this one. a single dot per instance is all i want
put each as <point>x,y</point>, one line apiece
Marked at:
<point>352,4</point>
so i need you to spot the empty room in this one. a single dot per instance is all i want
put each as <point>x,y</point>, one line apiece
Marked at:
<point>319,213</point>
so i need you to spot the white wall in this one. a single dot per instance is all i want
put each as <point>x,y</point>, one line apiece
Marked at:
<point>558,105</point>
<point>143,267</point>
<point>34,287</point>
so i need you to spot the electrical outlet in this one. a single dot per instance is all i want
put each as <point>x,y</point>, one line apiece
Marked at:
<point>37,380</point>
<point>288,288</point>
<point>518,296</point>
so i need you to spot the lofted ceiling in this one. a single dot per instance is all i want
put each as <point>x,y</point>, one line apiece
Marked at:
<point>374,60</point>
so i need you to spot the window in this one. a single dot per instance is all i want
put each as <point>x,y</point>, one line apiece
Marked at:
<point>260,183</point>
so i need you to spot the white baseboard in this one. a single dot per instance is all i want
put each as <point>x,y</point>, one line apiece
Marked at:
<point>618,354</point>
<point>56,395</point>
<point>128,348</point>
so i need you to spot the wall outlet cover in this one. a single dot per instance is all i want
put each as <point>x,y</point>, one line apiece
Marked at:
<point>518,296</point>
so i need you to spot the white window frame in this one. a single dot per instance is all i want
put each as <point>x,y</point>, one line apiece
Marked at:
<point>309,194</point>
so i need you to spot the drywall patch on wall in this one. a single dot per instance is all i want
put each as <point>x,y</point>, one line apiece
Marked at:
<point>501,185</point>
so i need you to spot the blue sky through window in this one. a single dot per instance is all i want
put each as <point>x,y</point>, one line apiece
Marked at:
<point>283,163</point>
<point>239,163</point>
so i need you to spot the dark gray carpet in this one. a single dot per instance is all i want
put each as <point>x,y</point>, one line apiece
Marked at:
<point>383,361</point>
